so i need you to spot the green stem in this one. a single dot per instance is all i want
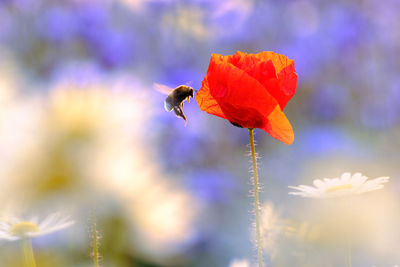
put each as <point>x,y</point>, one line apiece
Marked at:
<point>256,198</point>
<point>27,251</point>
<point>95,240</point>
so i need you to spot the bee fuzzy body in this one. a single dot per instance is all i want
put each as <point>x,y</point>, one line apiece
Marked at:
<point>176,98</point>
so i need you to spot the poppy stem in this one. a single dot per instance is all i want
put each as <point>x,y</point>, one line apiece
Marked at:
<point>256,198</point>
<point>95,239</point>
<point>27,251</point>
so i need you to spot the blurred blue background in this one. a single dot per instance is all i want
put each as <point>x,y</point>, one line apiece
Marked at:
<point>345,115</point>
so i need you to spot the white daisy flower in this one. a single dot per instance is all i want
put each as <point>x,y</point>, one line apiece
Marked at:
<point>346,185</point>
<point>16,228</point>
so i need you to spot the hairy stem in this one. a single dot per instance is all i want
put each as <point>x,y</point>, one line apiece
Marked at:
<point>95,240</point>
<point>27,251</point>
<point>256,198</point>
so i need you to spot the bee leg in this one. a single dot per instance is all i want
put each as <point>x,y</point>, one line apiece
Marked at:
<point>179,113</point>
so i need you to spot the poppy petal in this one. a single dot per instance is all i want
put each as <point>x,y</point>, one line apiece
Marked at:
<point>278,126</point>
<point>280,61</point>
<point>288,80</point>
<point>243,61</point>
<point>287,76</point>
<point>207,102</point>
<point>251,91</point>
<point>229,84</point>
<point>274,71</point>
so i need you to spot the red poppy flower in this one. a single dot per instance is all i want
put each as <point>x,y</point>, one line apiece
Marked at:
<point>251,91</point>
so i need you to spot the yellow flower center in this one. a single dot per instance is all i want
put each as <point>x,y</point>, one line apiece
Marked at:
<point>21,229</point>
<point>338,187</point>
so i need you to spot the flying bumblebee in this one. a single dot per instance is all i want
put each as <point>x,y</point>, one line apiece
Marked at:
<point>176,97</point>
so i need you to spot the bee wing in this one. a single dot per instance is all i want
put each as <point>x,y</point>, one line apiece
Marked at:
<point>162,88</point>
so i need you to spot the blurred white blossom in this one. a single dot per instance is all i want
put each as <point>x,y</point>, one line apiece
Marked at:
<point>85,141</point>
<point>239,263</point>
<point>8,79</point>
<point>271,227</point>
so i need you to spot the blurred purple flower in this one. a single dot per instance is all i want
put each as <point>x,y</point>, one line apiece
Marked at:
<point>329,102</point>
<point>345,27</point>
<point>92,18</point>
<point>58,24</point>
<point>28,6</point>
<point>230,14</point>
<point>381,111</point>
<point>5,22</point>
<point>319,141</point>
<point>179,149</point>
<point>115,48</point>
<point>183,75</point>
<point>212,186</point>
